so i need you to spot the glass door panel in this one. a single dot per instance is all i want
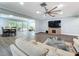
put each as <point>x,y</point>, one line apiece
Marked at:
<point>19,26</point>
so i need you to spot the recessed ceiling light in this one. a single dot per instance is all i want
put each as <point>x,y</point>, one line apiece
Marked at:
<point>10,15</point>
<point>61,13</point>
<point>60,5</point>
<point>22,3</point>
<point>38,12</point>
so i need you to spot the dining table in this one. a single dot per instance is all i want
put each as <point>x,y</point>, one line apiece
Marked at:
<point>9,32</point>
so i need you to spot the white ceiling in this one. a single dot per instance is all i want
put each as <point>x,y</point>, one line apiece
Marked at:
<point>29,9</point>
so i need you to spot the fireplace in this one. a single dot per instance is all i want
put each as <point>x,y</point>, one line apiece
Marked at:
<point>53,31</point>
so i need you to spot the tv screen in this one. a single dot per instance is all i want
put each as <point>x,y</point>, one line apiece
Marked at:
<point>54,24</point>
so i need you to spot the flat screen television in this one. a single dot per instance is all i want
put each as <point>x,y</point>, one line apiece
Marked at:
<point>54,24</point>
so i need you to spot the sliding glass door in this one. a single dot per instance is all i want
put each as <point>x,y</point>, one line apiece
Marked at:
<point>10,23</point>
<point>28,25</point>
<point>19,26</point>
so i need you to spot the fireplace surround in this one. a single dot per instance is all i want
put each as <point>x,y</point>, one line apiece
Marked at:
<point>54,30</point>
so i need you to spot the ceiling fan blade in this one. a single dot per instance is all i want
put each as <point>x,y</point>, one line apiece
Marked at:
<point>52,15</point>
<point>53,12</point>
<point>53,9</point>
<point>56,11</point>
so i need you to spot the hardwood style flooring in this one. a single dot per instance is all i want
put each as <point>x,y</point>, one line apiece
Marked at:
<point>5,42</point>
<point>4,45</point>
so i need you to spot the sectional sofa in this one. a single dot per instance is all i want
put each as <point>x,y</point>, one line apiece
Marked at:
<point>33,48</point>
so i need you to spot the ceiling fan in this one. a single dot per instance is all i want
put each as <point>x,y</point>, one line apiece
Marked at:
<point>52,12</point>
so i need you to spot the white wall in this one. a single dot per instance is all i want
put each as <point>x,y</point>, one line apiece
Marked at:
<point>41,25</point>
<point>38,26</point>
<point>2,24</point>
<point>68,25</point>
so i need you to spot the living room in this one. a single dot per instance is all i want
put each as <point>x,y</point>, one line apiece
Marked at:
<point>48,28</point>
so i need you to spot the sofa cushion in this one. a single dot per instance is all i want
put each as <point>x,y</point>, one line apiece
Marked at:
<point>15,51</point>
<point>76,44</point>
<point>31,48</point>
<point>76,41</point>
<point>59,52</point>
<point>51,53</point>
